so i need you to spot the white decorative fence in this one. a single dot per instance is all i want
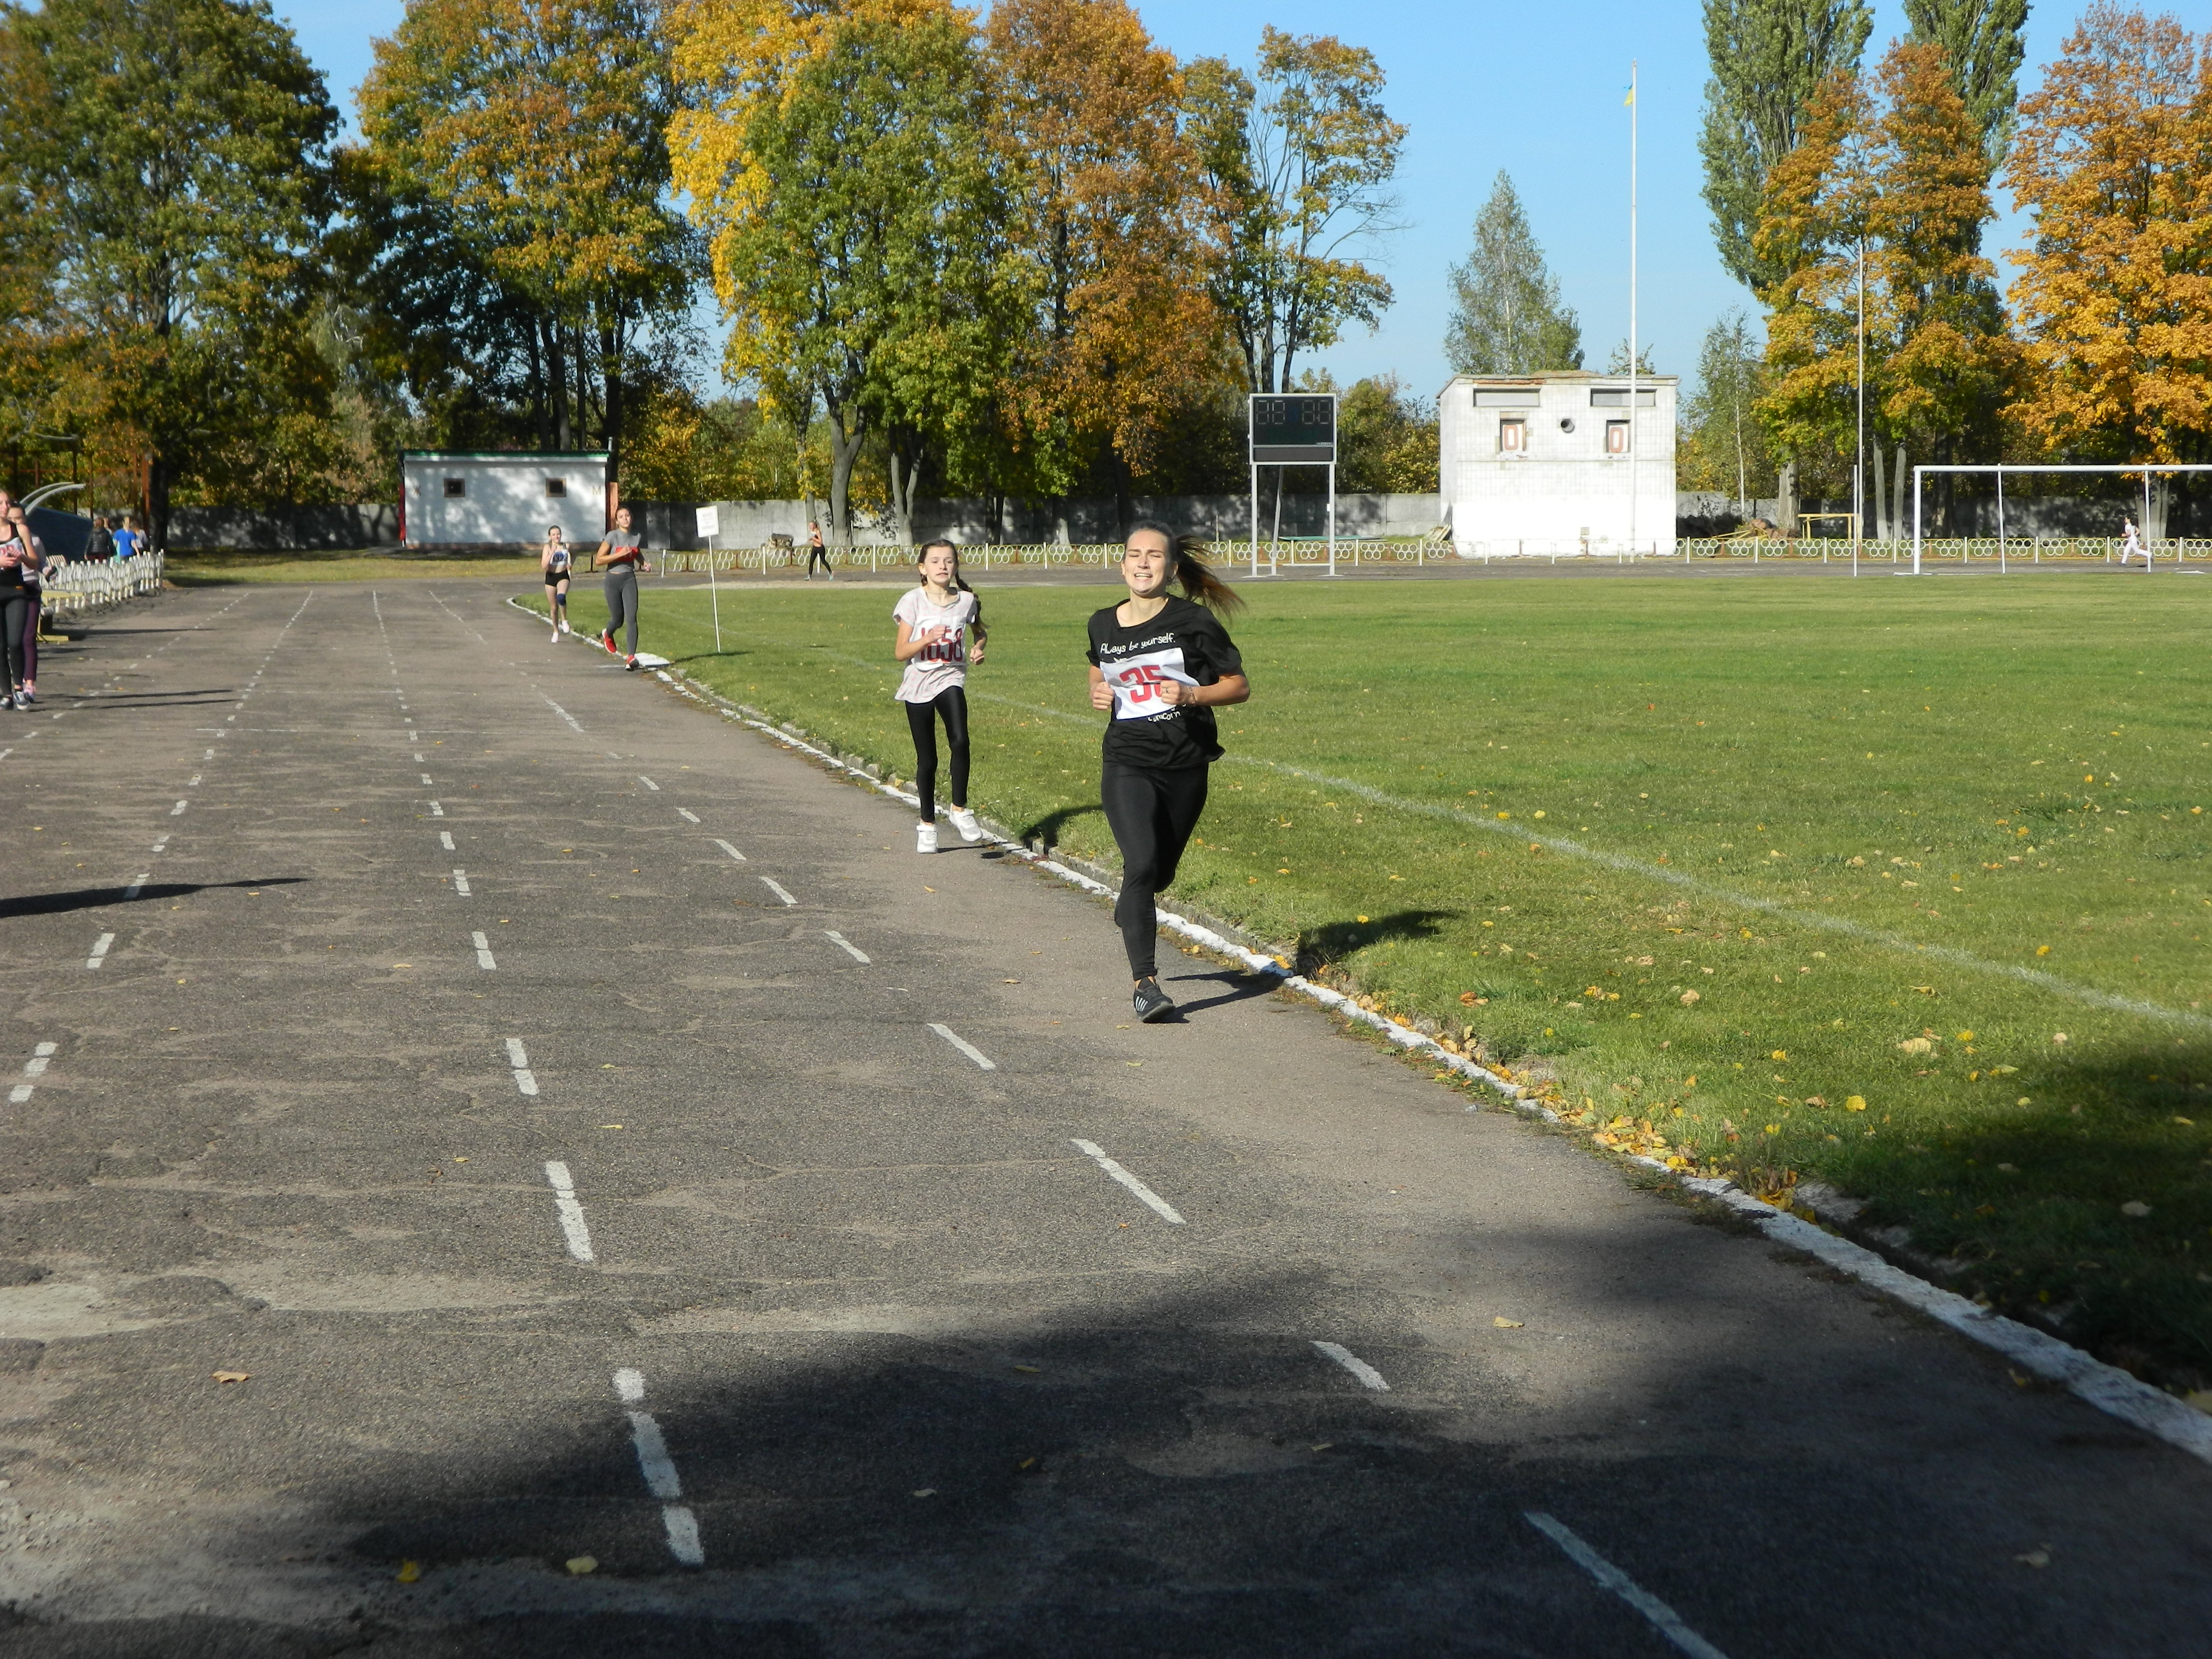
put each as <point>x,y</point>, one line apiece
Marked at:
<point>91,585</point>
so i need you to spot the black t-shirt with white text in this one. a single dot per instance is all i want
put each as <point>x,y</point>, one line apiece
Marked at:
<point>1185,643</point>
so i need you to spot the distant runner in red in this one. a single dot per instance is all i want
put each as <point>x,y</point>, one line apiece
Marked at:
<point>1161,665</point>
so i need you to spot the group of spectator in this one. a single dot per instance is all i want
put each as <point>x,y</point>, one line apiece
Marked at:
<point>118,537</point>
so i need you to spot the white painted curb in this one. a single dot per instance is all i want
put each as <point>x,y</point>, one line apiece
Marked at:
<point>2107,1387</point>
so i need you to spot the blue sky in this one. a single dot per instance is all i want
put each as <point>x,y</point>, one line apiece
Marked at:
<point>1533,88</point>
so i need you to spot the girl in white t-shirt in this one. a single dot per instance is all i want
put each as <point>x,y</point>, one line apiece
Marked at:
<point>936,622</point>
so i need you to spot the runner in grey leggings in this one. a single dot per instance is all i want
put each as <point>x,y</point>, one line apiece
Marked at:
<point>622,555</point>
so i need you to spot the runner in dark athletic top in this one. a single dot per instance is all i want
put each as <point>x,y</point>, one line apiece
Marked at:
<point>622,555</point>
<point>1161,665</point>
<point>554,562</point>
<point>16,570</point>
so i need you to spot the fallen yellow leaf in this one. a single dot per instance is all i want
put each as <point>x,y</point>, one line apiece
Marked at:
<point>409,1571</point>
<point>580,1564</point>
<point>231,1377</point>
<point>1505,1324</point>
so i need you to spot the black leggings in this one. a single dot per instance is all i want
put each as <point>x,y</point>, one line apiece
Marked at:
<point>823,554</point>
<point>921,719</point>
<point>15,613</point>
<point>622,604</point>
<point>1152,815</point>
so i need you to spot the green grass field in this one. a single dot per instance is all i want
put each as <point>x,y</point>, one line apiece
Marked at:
<point>1900,886</point>
<point>216,567</point>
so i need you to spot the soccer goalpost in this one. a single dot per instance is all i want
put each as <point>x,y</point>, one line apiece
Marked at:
<point>2144,467</point>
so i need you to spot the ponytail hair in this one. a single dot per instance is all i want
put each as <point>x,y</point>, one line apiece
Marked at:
<point>950,546</point>
<point>1188,569</point>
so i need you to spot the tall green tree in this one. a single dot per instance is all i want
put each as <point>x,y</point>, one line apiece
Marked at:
<point>1297,171</point>
<point>840,164</point>
<point>1508,318</point>
<point>175,155</point>
<point>530,136</point>
<point>1768,59</point>
<point>1981,39</point>
<point>1724,443</point>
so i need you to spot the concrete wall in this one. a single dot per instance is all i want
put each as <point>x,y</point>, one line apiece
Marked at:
<point>509,499</point>
<point>286,529</point>
<point>1561,491</point>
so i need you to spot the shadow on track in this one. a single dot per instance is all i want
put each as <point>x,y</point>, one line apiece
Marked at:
<point>95,898</point>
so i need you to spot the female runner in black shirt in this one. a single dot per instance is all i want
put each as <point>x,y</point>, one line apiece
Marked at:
<point>1162,665</point>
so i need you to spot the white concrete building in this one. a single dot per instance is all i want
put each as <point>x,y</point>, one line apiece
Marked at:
<point>500,498</point>
<point>1542,464</point>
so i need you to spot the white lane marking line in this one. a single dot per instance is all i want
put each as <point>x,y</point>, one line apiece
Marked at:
<point>436,811</point>
<point>774,888</point>
<point>483,953</point>
<point>99,950</point>
<point>36,1066</point>
<point>138,883</point>
<point>1159,1205</point>
<point>562,711</point>
<point>970,1049</point>
<point>524,1079</point>
<point>659,1471</point>
<point>687,815</point>
<point>178,810</point>
<point>571,1212</point>
<point>426,779</point>
<point>446,840</point>
<point>161,843</point>
<point>461,883</point>
<point>418,760</point>
<point>648,783</point>
<point>4,753</point>
<point>193,781</point>
<point>1664,1619</point>
<point>846,946</point>
<point>731,850</point>
<point>1352,1362</point>
<point>209,756</point>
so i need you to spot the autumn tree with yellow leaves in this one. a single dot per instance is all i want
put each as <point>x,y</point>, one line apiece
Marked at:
<point>1895,166</point>
<point>2113,158</point>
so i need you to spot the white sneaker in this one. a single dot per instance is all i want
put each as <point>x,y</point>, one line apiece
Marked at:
<point>925,838</point>
<point>557,636</point>
<point>964,822</point>
<point>564,624</point>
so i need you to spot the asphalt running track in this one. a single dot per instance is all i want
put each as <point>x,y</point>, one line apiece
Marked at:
<point>594,1132</point>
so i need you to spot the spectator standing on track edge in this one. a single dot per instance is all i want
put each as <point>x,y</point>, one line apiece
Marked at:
<point>622,555</point>
<point>100,546</point>
<point>1160,665</point>
<point>934,620</point>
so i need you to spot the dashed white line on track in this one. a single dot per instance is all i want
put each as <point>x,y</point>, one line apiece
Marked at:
<point>570,1211</point>
<point>845,945</point>
<point>648,783</point>
<point>437,811</point>
<point>1352,1362</point>
<point>518,1059</point>
<point>178,810</point>
<point>161,843</point>
<point>774,888</point>
<point>1158,1205</point>
<point>137,886</point>
<point>418,760</point>
<point>99,950</point>
<point>731,850</point>
<point>483,953</point>
<point>193,781</point>
<point>461,883</point>
<point>36,1066</point>
<point>562,711</point>
<point>659,1471</point>
<point>1664,1619</point>
<point>982,1059</point>
<point>446,840</point>
<point>687,815</point>
<point>426,779</point>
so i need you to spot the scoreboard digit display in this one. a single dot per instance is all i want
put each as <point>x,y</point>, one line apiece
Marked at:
<point>1291,428</point>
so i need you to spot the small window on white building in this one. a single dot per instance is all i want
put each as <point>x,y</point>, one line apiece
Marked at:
<point>1512,436</point>
<point>456,488</point>
<point>1616,437</point>
<point>557,488</point>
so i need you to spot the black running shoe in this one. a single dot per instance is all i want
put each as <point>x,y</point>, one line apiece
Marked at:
<point>1151,1002</point>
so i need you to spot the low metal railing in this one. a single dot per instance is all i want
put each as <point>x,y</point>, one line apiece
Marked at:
<point>1290,551</point>
<point>92,585</point>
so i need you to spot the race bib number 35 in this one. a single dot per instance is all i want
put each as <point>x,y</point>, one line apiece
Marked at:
<point>1137,681</point>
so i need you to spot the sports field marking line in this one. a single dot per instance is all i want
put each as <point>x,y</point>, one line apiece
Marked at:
<point>659,1471</point>
<point>1663,1618</point>
<point>2106,1387</point>
<point>137,886</point>
<point>436,811</point>
<point>418,760</point>
<point>161,844</point>
<point>446,840</point>
<point>36,1066</point>
<point>983,1061</point>
<point>483,953</point>
<point>846,946</point>
<point>1367,1376</point>
<point>775,888</point>
<point>571,1212</point>
<point>178,810</point>
<point>99,950</point>
<point>687,815</point>
<point>461,883</point>
<point>726,848</point>
<point>193,781</point>
<point>573,722</point>
<point>648,783</point>
<point>519,1060</point>
<point>1089,1150</point>
<point>426,780</point>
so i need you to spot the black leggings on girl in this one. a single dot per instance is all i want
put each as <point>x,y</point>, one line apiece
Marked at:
<point>921,719</point>
<point>15,613</point>
<point>1152,815</point>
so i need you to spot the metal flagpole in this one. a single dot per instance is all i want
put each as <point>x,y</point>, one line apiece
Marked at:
<point>1633,452</point>
<point>1255,511</point>
<point>1859,471</point>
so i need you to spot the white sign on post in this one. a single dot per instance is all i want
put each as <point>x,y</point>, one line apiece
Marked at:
<point>710,522</point>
